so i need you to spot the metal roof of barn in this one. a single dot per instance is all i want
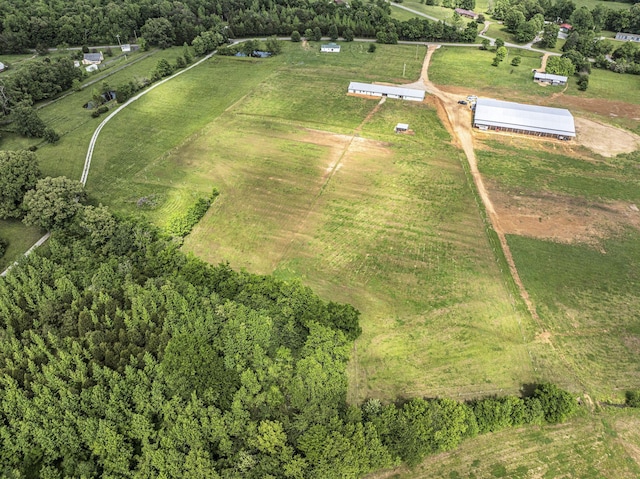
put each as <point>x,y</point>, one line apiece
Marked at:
<point>331,45</point>
<point>549,77</point>
<point>541,119</point>
<point>386,89</point>
<point>93,57</point>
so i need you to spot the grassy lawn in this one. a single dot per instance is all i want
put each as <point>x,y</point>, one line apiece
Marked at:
<point>592,447</point>
<point>436,11</point>
<point>588,300</point>
<point>20,239</point>
<point>401,14</point>
<point>471,68</point>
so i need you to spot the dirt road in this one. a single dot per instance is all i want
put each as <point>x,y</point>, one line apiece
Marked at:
<point>458,121</point>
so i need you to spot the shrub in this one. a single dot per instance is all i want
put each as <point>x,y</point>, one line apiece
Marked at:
<point>3,247</point>
<point>181,225</point>
<point>583,82</point>
<point>557,405</point>
<point>633,398</point>
<point>372,48</point>
<point>516,61</point>
<point>51,135</point>
<point>295,36</point>
<point>103,109</point>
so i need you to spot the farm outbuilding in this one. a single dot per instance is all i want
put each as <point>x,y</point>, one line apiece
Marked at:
<point>330,48</point>
<point>402,127</point>
<point>525,119</point>
<point>400,93</point>
<point>627,37</point>
<point>466,13</point>
<point>92,58</point>
<point>549,78</point>
<point>2,67</point>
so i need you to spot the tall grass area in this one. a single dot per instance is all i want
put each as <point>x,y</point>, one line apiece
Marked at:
<point>517,168</point>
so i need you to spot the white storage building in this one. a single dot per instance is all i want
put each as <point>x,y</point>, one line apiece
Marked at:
<point>526,119</point>
<point>330,48</point>
<point>400,93</point>
<point>550,78</point>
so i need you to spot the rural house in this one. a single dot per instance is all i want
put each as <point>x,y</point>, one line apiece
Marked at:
<point>400,93</point>
<point>542,77</point>
<point>524,119</point>
<point>92,58</point>
<point>466,13</point>
<point>565,27</point>
<point>629,37</point>
<point>330,48</point>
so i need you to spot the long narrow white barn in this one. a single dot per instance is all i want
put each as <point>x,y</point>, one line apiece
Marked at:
<point>386,91</point>
<point>526,119</point>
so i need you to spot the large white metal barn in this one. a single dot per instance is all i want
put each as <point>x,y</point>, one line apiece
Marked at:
<point>527,119</point>
<point>370,89</point>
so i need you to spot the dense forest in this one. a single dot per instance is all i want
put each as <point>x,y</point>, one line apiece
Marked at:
<point>122,357</point>
<point>33,24</point>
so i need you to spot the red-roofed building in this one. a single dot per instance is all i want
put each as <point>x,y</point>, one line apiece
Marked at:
<point>565,27</point>
<point>466,13</point>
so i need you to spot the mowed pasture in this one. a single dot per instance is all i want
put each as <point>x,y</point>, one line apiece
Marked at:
<point>313,192</point>
<point>584,284</point>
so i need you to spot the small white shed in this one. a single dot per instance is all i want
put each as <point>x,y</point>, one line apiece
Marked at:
<point>330,48</point>
<point>402,127</point>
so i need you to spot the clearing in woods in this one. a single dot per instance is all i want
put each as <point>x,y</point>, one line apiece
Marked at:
<point>386,222</point>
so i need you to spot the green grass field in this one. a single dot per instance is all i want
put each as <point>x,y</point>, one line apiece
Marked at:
<point>377,233</point>
<point>315,186</point>
<point>20,239</point>
<point>471,68</point>
<point>585,293</point>
<point>599,446</point>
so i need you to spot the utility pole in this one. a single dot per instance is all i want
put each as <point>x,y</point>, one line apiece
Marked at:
<point>404,69</point>
<point>120,45</point>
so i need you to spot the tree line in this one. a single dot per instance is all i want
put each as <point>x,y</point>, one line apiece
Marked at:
<point>123,357</point>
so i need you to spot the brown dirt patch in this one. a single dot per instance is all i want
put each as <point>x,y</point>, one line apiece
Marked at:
<point>305,44</point>
<point>544,337</point>
<point>562,218</point>
<point>606,140</point>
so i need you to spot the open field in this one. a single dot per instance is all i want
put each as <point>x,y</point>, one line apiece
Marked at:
<point>386,222</point>
<point>611,96</point>
<point>576,242</point>
<point>20,239</point>
<point>75,124</point>
<point>441,13</point>
<point>599,446</point>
